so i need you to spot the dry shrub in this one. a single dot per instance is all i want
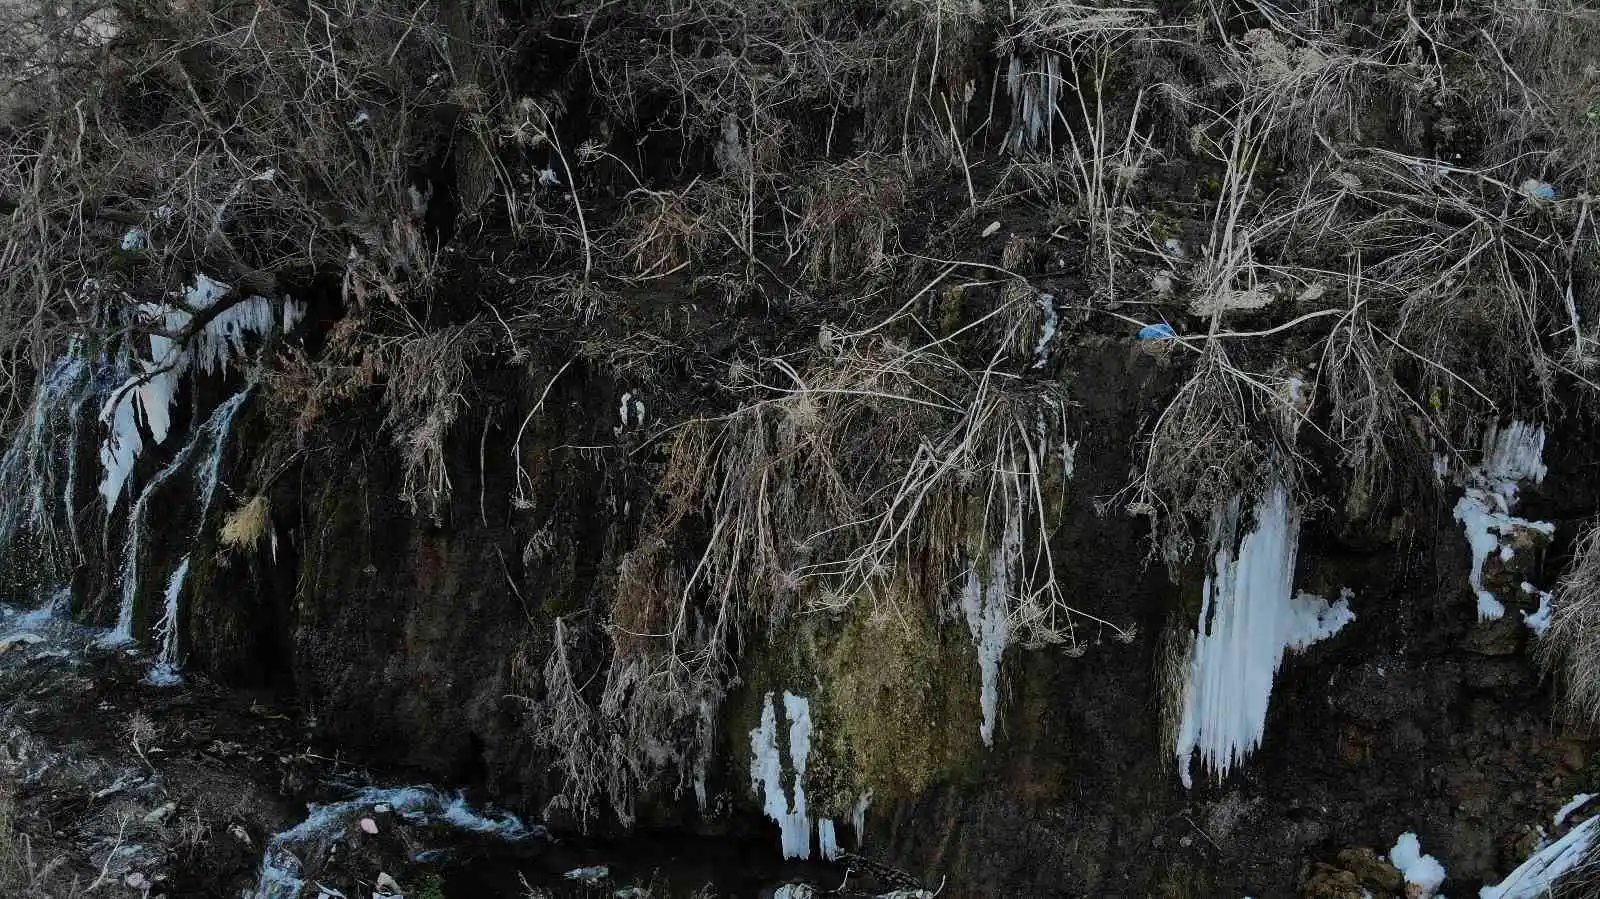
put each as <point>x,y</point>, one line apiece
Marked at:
<point>1571,647</point>
<point>1543,85</point>
<point>245,526</point>
<point>1222,432</point>
<point>1367,410</point>
<point>425,389</point>
<point>848,224</point>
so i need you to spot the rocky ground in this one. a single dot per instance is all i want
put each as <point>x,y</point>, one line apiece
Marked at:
<point>119,787</point>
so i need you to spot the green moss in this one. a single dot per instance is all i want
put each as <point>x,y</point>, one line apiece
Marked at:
<point>894,701</point>
<point>952,303</point>
<point>1183,882</point>
<point>428,886</point>
<point>906,697</point>
<point>1164,226</point>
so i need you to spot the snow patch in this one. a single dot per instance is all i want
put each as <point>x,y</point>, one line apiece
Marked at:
<point>1423,871</point>
<point>1248,620</point>
<point>1511,456</point>
<point>1534,878</point>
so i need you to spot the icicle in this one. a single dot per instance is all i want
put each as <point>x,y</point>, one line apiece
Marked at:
<point>223,338</point>
<point>766,772</point>
<point>827,839</point>
<point>165,673</point>
<point>294,312</point>
<point>216,428</point>
<point>1248,619</point>
<point>120,448</point>
<point>986,605</point>
<point>858,818</point>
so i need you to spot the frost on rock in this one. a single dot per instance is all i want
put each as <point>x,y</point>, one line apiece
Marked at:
<point>1511,456</point>
<point>1535,878</point>
<point>984,601</point>
<point>1422,871</point>
<point>1248,620</point>
<point>766,772</point>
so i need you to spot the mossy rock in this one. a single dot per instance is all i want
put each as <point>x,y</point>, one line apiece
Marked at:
<point>894,700</point>
<point>905,692</point>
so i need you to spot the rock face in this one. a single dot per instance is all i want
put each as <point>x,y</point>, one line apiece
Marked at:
<point>415,646</point>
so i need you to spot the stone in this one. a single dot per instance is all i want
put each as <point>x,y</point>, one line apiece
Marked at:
<point>1371,870</point>
<point>1328,882</point>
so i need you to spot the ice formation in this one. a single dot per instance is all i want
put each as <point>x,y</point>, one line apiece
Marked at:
<point>132,544</point>
<point>1511,456</point>
<point>1041,349</point>
<point>1538,620</point>
<point>985,603</point>
<point>41,438</point>
<point>153,386</point>
<point>1422,871</point>
<point>858,818</point>
<point>1248,620</point>
<point>827,839</point>
<point>216,429</point>
<point>1033,95</point>
<point>282,873</point>
<point>165,673</point>
<point>1577,802</point>
<point>766,772</point>
<point>1534,878</point>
